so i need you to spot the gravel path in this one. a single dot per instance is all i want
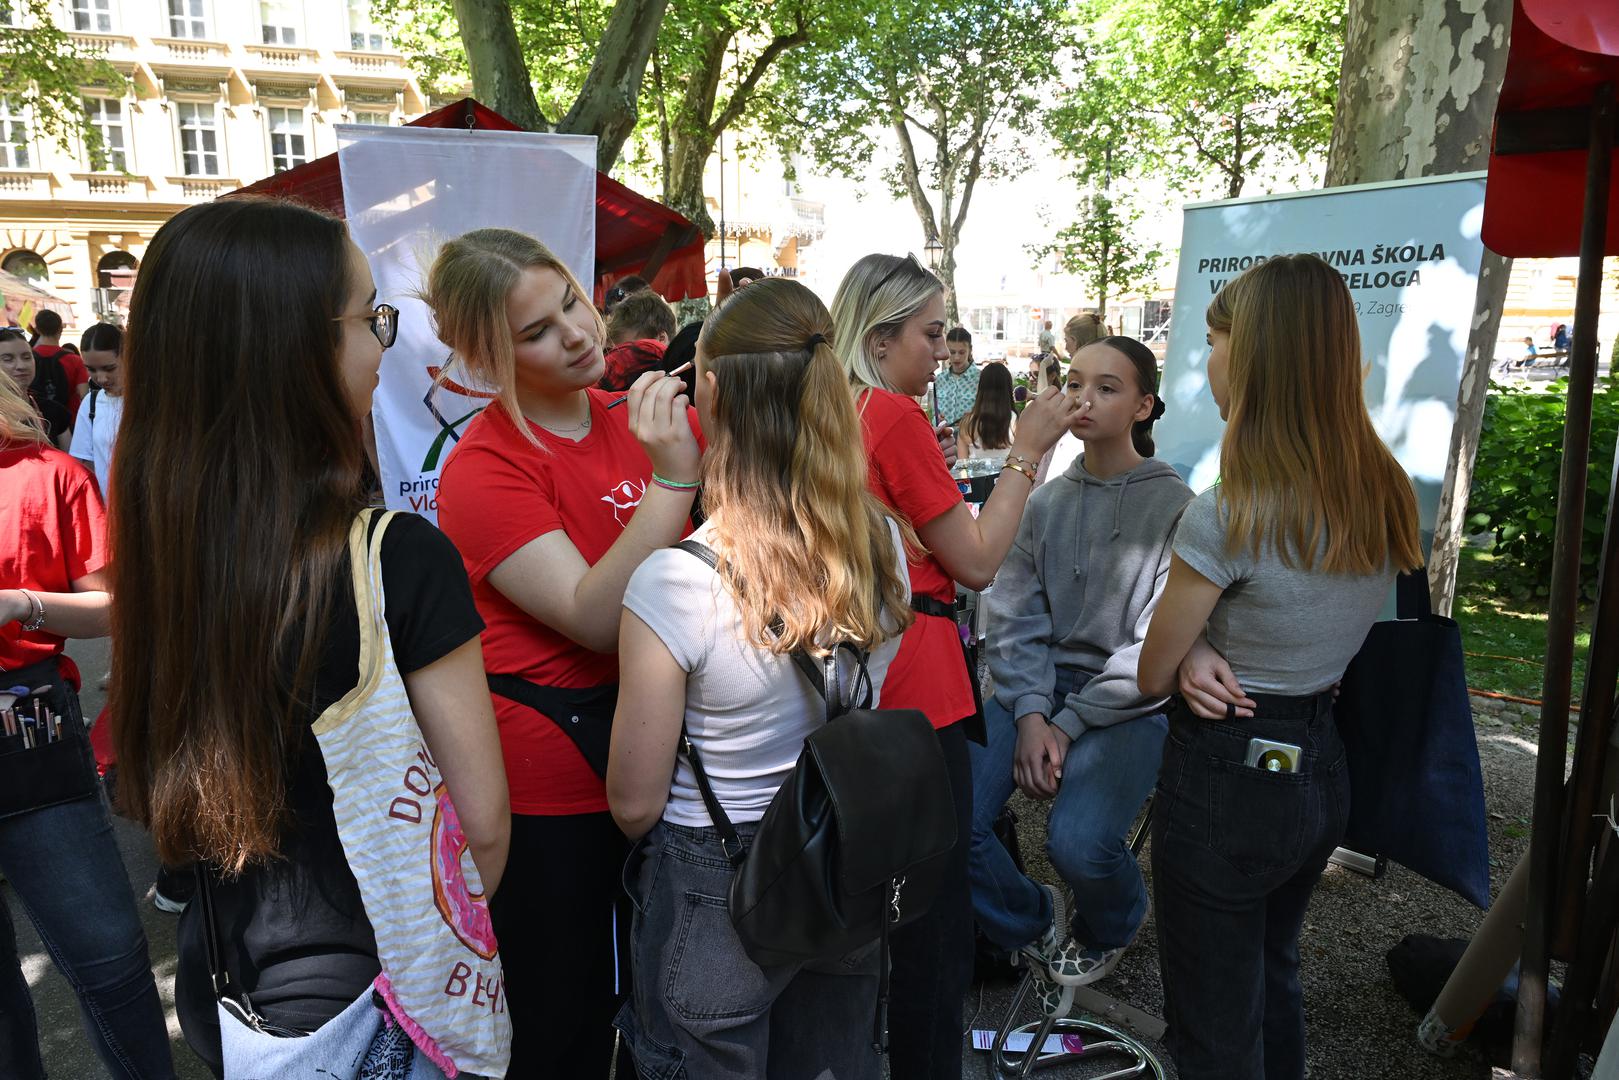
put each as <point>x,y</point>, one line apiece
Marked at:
<point>1359,1028</point>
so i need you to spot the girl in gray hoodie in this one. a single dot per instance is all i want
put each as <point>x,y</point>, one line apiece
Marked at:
<point>1068,722</point>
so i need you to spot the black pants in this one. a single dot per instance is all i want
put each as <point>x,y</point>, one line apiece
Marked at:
<point>1236,853</point>
<point>933,957</point>
<point>563,925</point>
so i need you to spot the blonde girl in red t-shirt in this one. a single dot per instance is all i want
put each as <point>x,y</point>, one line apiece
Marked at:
<point>554,495</point>
<point>889,319</point>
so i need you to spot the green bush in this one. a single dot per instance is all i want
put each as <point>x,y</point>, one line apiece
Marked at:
<point>1514,494</point>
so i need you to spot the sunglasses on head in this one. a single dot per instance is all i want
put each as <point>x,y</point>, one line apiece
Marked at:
<point>909,260</point>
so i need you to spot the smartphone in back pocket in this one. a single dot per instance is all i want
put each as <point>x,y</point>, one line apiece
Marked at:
<point>1273,756</point>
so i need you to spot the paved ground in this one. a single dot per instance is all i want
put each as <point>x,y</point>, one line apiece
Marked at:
<point>1359,1028</point>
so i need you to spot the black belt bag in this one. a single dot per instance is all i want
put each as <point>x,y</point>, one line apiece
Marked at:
<point>928,605</point>
<point>48,761</point>
<point>584,715</point>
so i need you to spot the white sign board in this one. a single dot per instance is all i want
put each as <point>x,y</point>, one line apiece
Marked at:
<point>1409,252</point>
<point>407,190</point>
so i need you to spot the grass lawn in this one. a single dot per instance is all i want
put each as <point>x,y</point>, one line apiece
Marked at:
<point>1510,631</point>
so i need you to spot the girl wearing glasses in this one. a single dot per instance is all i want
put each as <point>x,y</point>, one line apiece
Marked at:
<point>254,703</point>
<point>889,328</point>
<point>1277,575</point>
<point>555,494</point>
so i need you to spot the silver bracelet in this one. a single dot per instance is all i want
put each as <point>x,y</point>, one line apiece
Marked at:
<point>37,619</point>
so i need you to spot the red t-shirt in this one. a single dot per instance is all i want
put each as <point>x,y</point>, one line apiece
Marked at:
<point>498,492</point>
<point>907,472</point>
<point>73,364</point>
<point>56,533</point>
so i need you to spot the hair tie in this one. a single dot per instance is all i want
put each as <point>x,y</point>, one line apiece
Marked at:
<point>1157,410</point>
<point>814,340</point>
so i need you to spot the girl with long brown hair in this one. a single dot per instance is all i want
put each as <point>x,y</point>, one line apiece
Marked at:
<point>788,514</point>
<point>1278,573</point>
<point>986,431</point>
<point>57,848</point>
<point>555,494</point>
<point>297,681</point>
<point>890,334</point>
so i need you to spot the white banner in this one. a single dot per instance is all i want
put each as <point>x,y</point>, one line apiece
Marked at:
<point>407,190</point>
<point>1410,253</point>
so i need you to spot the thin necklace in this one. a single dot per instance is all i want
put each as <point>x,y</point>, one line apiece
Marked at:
<point>581,428</point>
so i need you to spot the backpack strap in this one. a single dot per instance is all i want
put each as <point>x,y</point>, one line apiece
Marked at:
<point>94,390</point>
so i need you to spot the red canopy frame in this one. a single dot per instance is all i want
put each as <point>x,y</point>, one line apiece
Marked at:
<point>1550,192</point>
<point>634,235</point>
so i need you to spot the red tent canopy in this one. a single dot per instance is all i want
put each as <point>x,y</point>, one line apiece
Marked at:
<point>634,235</point>
<point>1562,50</point>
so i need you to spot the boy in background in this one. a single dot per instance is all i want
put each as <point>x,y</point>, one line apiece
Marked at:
<point>638,333</point>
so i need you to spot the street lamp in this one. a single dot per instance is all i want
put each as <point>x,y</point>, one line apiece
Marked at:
<point>933,249</point>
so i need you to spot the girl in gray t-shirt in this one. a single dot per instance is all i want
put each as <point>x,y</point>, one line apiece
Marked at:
<point>1278,573</point>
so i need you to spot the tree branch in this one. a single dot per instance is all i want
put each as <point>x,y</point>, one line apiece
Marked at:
<point>761,63</point>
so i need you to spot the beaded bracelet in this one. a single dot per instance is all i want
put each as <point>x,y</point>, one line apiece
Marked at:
<point>674,485</point>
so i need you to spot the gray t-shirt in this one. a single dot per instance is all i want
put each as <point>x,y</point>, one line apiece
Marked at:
<point>1284,630</point>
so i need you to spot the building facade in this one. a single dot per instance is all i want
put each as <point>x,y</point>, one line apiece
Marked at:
<point>216,94</point>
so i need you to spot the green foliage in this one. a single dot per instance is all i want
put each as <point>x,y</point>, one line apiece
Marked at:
<point>1104,249</point>
<point>1516,478</point>
<point>1189,90</point>
<point>43,69</point>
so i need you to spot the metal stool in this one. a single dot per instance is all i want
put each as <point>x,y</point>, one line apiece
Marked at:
<point>1091,1038</point>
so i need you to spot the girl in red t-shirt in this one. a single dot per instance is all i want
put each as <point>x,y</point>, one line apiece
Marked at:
<point>554,495</point>
<point>62,859</point>
<point>890,334</point>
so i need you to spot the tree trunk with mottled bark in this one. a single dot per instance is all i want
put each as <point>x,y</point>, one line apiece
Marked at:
<point>499,76</point>
<point>1416,97</point>
<point>606,105</point>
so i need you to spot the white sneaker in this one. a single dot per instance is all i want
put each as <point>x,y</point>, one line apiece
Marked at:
<point>1042,951</point>
<point>163,903</point>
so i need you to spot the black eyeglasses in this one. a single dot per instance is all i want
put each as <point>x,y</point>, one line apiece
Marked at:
<point>384,323</point>
<point>909,260</point>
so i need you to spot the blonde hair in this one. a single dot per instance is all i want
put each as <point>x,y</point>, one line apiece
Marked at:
<point>784,482</point>
<point>1083,330</point>
<point>1301,465</point>
<point>467,288</point>
<point>19,420</point>
<point>873,301</point>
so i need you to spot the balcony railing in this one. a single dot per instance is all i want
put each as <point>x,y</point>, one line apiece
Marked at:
<point>25,184</point>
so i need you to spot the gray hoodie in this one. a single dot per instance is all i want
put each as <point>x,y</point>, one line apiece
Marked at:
<point>1078,590</point>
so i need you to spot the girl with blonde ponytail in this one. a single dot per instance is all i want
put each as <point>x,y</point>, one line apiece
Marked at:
<point>806,558</point>
<point>889,313</point>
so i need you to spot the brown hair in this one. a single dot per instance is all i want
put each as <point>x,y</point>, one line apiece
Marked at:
<point>643,314</point>
<point>784,480</point>
<point>19,420</point>
<point>1301,465</point>
<point>230,521</point>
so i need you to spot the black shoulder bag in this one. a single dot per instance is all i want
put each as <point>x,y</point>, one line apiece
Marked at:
<point>855,842</point>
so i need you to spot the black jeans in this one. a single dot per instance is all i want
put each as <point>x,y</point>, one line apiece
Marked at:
<point>1236,853</point>
<point>563,924</point>
<point>933,957</point>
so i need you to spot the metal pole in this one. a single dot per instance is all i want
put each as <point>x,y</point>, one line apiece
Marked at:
<point>1546,844</point>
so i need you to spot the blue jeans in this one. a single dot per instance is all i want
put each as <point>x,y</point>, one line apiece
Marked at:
<point>63,862</point>
<point>1106,777</point>
<point>701,1010</point>
<point>1236,853</point>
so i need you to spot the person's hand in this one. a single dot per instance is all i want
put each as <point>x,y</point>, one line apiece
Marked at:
<point>1037,761</point>
<point>14,606</point>
<point>1044,421</point>
<point>657,415</point>
<point>947,444</point>
<point>723,287</point>
<point>1208,684</point>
